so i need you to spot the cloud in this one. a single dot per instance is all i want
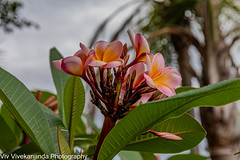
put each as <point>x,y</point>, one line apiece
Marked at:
<point>63,24</point>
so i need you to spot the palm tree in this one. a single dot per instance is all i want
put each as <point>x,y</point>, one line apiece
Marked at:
<point>205,29</point>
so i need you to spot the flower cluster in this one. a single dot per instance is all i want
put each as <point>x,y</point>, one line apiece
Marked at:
<point>123,83</point>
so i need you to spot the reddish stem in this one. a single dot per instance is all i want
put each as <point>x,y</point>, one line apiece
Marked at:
<point>108,124</point>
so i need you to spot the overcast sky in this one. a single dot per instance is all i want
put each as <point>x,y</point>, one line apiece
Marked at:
<point>63,24</point>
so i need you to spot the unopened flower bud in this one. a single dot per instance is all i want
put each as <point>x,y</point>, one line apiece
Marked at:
<point>124,53</point>
<point>165,135</point>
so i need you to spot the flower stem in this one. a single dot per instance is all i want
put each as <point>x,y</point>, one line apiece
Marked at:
<point>108,124</point>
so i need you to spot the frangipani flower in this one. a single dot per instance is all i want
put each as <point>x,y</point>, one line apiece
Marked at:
<point>140,45</point>
<point>107,55</point>
<point>77,64</point>
<point>164,79</point>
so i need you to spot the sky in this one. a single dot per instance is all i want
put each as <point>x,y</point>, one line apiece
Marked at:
<point>63,24</point>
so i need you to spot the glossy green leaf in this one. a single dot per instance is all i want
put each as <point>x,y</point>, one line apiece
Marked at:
<point>62,142</point>
<point>147,115</point>
<point>74,101</point>
<point>184,126</point>
<point>190,156</point>
<point>60,79</point>
<point>38,124</point>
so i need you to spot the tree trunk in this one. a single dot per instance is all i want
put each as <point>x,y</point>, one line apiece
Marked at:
<point>220,122</point>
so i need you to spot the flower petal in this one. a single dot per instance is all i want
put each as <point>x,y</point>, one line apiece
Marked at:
<point>100,47</point>
<point>115,63</point>
<point>142,57</point>
<point>57,64</point>
<point>141,45</point>
<point>169,77</point>
<point>144,99</point>
<point>149,81</point>
<point>84,48</point>
<point>139,78</point>
<point>157,65</point>
<point>97,63</point>
<point>148,62</point>
<point>72,65</point>
<point>113,51</point>
<point>89,58</point>
<point>132,37</point>
<point>166,90</point>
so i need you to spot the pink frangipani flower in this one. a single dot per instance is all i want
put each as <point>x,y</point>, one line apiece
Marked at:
<point>165,79</point>
<point>77,64</point>
<point>107,55</point>
<point>140,46</point>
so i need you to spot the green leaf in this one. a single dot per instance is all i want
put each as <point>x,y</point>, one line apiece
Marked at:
<point>147,115</point>
<point>90,150</point>
<point>27,149</point>
<point>38,124</point>
<point>84,141</point>
<point>81,128</point>
<point>148,156</point>
<point>132,155</point>
<point>62,142</point>
<point>8,139</point>
<point>91,123</point>
<point>55,121</point>
<point>237,153</point>
<point>9,120</point>
<point>184,89</point>
<point>74,100</point>
<point>184,126</point>
<point>190,156</point>
<point>60,79</point>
